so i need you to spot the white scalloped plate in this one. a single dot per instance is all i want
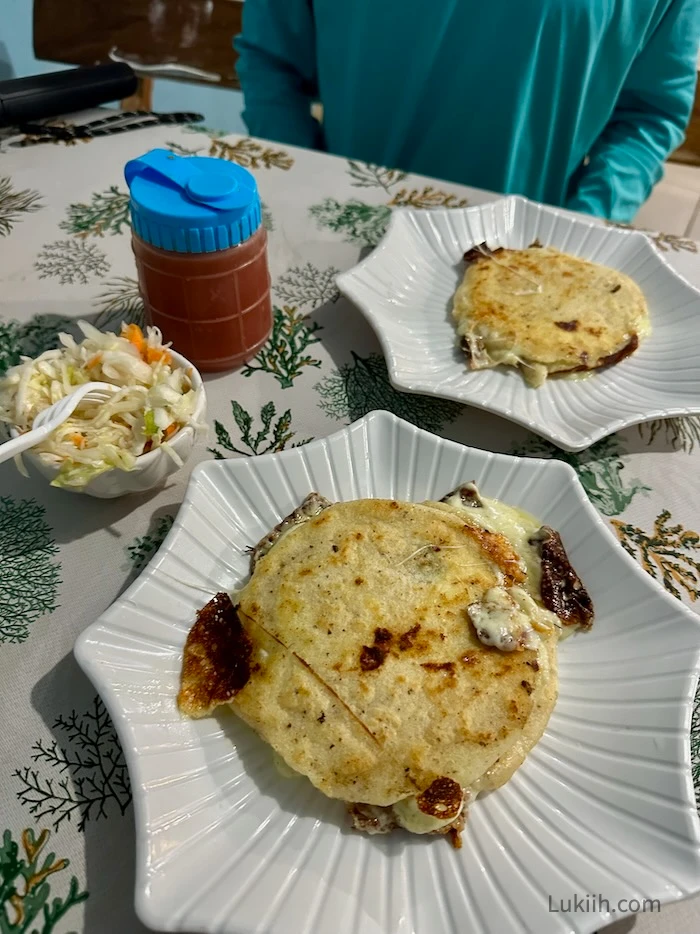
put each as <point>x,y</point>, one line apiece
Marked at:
<point>405,289</point>
<point>603,805</point>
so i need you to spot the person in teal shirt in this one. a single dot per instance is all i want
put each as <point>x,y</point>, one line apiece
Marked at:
<point>570,102</point>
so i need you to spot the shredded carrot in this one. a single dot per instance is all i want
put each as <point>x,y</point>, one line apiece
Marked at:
<point>93,361</point>
<point>134,334</point>
<point>170,431</point>
<point>78,440</point>
<point>154,354</point>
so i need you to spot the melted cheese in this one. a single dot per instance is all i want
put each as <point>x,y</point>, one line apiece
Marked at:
<point>515,524</point>
<point>409,816</point>
<point>508,618</point>
<point>488,349</point>
<point>499,621</point>
<point>542,620</point>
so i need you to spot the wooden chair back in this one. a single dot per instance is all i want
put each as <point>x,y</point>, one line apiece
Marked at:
<point>187,40</point>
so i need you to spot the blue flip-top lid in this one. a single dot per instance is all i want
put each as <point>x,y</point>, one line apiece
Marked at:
<point>191,204</point>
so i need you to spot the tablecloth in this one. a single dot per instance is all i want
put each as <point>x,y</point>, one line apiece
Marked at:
<point>66,818</point>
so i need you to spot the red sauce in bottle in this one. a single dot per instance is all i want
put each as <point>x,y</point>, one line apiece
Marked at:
<point>201,256</point>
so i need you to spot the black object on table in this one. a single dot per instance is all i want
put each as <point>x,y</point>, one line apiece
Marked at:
<point>109,125</point>
<point>39,97</point>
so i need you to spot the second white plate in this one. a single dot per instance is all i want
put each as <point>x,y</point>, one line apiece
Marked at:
<point>405,289</point>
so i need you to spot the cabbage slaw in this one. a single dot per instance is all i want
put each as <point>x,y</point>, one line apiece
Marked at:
<point>155,400</point>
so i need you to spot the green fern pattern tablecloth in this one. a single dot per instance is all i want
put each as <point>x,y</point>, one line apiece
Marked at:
<point>66,854</point>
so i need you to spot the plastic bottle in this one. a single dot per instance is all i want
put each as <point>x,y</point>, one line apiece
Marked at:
<point>201,256</point>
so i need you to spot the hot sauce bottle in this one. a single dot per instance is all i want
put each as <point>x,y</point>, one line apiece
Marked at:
<point>201,256</point>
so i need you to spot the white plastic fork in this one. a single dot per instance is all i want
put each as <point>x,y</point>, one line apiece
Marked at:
<point>51,418</point>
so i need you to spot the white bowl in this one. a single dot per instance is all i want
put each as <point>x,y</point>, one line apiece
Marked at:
<point>226,845</point>
<point>151,469</point>
<point>405,289</point>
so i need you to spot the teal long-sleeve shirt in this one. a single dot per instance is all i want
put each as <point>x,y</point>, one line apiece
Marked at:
<point>569,102</point>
